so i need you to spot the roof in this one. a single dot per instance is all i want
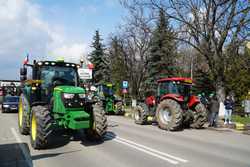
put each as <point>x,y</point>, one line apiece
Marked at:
<point>181,79</point>
<point>56,63</point>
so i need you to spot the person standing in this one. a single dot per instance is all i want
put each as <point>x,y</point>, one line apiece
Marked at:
<point>228,109</point>
<point>214,111</point>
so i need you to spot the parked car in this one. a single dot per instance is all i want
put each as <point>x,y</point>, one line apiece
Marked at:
<point>10,103</point>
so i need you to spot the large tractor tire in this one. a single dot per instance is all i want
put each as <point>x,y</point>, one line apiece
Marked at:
<point>169,115</point>
<point>140,114</point>
<point>199,116</point>
<point>99,124</point>
<point>119,108</point>
<point>23,118</point>
<point>40,128</point>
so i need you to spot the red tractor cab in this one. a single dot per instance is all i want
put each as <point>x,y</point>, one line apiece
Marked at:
<point>173,106</point>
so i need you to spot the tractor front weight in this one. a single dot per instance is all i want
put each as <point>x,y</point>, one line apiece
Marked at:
<point>74,120</point>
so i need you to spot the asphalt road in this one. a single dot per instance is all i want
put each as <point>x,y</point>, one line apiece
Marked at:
<point>125,145</point>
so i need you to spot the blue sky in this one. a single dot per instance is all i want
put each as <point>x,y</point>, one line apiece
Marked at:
<point>80,18</point>
<point>49,29</point>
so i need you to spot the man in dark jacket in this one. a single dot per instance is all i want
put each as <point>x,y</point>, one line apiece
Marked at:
<point>214,110</point>
<point>228,109</point>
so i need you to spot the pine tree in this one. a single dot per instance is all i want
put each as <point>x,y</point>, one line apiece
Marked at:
<point>117,64</point>
<point>163,52</point>
<point>97,57</point>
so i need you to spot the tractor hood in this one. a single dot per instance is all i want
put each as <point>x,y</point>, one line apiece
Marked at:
<point>70,89</point>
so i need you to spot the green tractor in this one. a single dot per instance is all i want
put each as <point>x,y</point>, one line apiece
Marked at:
<point>111,103</point>
<point>53,100</point>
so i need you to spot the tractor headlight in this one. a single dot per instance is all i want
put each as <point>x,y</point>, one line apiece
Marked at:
<point>82,95</point>
<point>68,95</point>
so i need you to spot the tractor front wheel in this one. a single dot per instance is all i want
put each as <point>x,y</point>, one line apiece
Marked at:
<point>140,114</point>
<point>99,124</point>
<point>199,116</point>
<point>23,109</point>
<point>119,108</point>
<point>169,115</point>
<point>40,128</point>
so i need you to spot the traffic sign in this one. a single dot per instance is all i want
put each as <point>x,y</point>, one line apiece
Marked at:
<point>124,84</point>
<point>124,91</point>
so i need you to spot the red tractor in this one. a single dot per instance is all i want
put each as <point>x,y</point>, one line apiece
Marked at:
<point>173,107</point>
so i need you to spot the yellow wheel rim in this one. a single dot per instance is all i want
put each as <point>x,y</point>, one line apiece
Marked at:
<point>33,127</point>
<point>20,112</point>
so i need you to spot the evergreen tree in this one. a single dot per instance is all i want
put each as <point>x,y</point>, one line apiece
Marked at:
<point>98,58</point>
<point>237,73</point>
<point>163,52</point>
<point>117,63</point>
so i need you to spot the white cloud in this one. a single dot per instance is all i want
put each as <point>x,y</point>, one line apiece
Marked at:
<point>89,9</point>
<point>69,52</point>
<point>23,31</point>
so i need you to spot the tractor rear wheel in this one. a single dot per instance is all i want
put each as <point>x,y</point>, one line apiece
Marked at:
<point>199,116</point>
<point>23,110</point>
<point>169,115</point>
<point>40,128</point>
<point>99,124</point>
<point>140,114</point>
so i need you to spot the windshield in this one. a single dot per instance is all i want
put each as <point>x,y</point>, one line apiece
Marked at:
<point>11,99</point>
<point>57,74</point>
<point>108,90</point>
<point>174,87</point>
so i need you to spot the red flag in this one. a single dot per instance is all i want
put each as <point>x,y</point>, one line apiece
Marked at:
<point>90,66</point>
<point>26,59</point>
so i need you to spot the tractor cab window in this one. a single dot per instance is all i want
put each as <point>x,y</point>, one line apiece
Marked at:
<point>56,75</point>
<point>173,87</point>
<point>108,90</point>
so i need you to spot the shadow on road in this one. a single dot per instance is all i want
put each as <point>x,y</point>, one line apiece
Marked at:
<point>15,154</point>
<point>109,136</point>
<point>49,155</point>
<point>61,138</point>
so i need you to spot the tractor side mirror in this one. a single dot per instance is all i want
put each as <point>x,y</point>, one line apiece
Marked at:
<point>23,74</point>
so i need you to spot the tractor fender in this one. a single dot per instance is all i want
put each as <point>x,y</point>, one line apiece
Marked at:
<point>193,100</point>
<point>150,101</point>
<point>172,96</point>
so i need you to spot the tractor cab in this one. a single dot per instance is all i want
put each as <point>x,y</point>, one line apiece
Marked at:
<point>106,89</point>
<point>177,88</point>
<point>47,75</point>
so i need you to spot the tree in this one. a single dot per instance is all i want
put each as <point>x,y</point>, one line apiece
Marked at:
<point>161,62</point>
<point>98,58</point>
<point>117,63</point>
<point>135,36</point>
<point>208,26</point>
<point>238,72</point>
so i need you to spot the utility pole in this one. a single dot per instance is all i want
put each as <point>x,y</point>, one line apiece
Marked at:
<point>191,66</point>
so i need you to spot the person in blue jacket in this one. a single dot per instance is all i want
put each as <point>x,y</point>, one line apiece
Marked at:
<point>229,104</point>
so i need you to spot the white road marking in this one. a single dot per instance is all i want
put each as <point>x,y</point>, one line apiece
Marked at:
<point>155,151</point>
<point>164,156</point>
<point>23,149</point>
<point>148,152</point>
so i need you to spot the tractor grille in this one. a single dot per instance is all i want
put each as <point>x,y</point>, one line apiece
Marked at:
<point>75,102</point>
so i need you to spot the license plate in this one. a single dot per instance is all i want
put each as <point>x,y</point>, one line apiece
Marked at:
<point>13,108</point>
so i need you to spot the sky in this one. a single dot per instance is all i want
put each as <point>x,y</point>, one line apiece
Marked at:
<point>51,29</point>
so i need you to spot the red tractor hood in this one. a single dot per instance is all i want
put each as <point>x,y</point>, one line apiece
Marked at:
<point>173,96</point>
